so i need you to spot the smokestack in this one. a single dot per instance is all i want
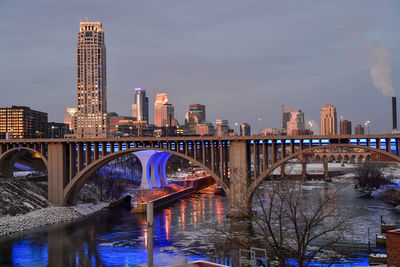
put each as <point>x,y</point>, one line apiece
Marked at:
<point>394,113</point>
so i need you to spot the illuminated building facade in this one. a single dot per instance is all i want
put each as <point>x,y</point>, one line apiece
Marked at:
<point>69,118</point>
<point>140,108</point>
<point>194,116</point>
<point>245,129</point>
<point>163,112</point>
<point>22,122</point>
<point>91,116</point>
<point>328,120</point>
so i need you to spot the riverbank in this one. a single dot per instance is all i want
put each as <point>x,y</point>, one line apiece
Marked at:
<point>11,224</point>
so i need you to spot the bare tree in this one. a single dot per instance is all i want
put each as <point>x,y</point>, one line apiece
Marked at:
<point>370,175</point>
<point>290,221</point>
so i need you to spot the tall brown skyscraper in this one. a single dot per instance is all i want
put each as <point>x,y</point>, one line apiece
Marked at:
<point>345,127</point>
<point>91,116</point>
<point>328,120</point>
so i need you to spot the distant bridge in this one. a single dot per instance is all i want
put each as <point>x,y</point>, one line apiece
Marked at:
<point>238,164</point>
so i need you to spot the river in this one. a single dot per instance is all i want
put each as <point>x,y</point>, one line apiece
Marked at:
<point>185,228</point>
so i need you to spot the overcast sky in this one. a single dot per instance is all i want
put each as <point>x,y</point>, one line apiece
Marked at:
<point>242,59</point>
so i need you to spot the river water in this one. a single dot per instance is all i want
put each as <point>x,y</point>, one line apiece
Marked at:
<point>185,228</point>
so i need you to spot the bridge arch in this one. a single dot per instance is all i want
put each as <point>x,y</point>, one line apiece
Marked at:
<point>73,187</point>
<point>251,189</point>
<point>15,151</point>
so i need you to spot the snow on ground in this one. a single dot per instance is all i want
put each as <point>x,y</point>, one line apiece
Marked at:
<point>11,224</point>
<point>88,208</point>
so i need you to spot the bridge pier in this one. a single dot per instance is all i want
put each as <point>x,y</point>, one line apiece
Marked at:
<point>303,168</point>
<point>153,168</point>
<point>325,164</point>
<point>239,200</point>
<point>57,172</point>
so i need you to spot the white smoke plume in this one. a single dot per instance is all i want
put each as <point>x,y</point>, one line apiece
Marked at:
<point>380,68</point>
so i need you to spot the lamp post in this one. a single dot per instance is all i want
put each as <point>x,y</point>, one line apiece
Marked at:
<point>236,130</point>
<point>52,131</point>
<point>367,126</point>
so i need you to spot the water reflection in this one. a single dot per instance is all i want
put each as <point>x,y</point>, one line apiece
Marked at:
<point>187,228</point>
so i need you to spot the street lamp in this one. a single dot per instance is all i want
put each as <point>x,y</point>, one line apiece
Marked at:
<point>309,125</point>
<point>367,126</point>
<point>236,125</point>
<point>52,131</point>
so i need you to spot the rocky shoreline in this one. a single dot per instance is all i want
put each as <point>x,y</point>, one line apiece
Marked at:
<point>45,216</point>
<point>37,218</point>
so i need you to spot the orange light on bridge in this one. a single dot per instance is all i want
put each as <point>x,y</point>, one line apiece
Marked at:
<point>36,156</point>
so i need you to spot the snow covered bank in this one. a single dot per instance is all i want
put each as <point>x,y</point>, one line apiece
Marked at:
<point>11,224</point>
<point>88,208</point>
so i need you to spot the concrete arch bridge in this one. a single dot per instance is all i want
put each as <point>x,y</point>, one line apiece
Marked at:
<point>237,164</point>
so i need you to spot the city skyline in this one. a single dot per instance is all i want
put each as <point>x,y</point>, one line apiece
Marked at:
<point>198,66</point>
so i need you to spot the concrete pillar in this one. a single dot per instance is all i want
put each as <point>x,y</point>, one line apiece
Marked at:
<point>265,154</point>
<point>397,146</point>
<point>273,151</point>
<point>96,151</point>
<point>88,154</point>
<point>283,174</point>
<point>221,159</point>
<point>162,167</point>
<point>291,146</point>
<point>72,160</point>
<point>387,145</point>
<point>203,152</point>
<point>43,149</point>
<point>103,149</point>
<point>239,162</point>
<point>212,157</point>
<point>303,168</point>
<point>2,149</point>
<point>57,172</point>
<point>195,150</point>
<point>301,144</point>
<point>119,146</point>
<point>283,149</point>
<point>325,164</point>
<point>378,143</point>
<point>186,145</point>
<point>7,164</point>
<point>150,169</point>
<point>80,157</point>
<point>256,159</point>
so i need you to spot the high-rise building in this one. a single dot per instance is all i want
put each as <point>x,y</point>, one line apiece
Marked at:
<point>345,127</point>
<point>163,112</point>
<point>221,128</point>
<point>328,120</point>
<point>359,129</point>
<point>245,129</point>
<point>69,118</point>
<point>91,116</point>
<point>194,116</point>
<point>22,122</point>
<point>293,121</point>
<point>140,108</point>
